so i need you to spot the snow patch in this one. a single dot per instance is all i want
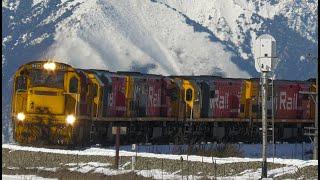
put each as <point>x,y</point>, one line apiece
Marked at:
<point>24,177</point>
<point>158,174</point>
<point>6,39</point>
<point>54,169</point>
<point>302,58</point>
<point>272,173</point>
<point>35,2</point>
<point>38,40</point>
<point>111,152</point>
<point>96,167</point>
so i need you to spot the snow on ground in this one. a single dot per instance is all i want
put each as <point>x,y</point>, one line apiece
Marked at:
<point>54,169</point>
<point>291,165</point>
<point>106,169</point>
<point>96,167</point>
<point>23,177</point>
<point>160,174</point>
<point>111,152</point>
<point>157,174</point>
<point>256,174</point>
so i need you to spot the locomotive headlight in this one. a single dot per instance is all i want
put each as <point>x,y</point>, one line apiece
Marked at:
<point>49,66</point>
<point>70,119</point>
<point>21,116</point>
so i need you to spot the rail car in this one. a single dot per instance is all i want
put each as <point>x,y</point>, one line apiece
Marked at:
<point>56,104</point>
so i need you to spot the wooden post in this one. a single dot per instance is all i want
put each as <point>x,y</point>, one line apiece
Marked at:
<point>181,159</point>
<point>133,158</point>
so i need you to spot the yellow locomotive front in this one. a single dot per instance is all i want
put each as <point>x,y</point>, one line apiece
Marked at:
<point>45,104</point>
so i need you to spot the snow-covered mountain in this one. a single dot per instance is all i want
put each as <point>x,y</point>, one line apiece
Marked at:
<point>157,36</point>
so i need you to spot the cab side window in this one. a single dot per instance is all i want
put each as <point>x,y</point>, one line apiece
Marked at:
<point>172,93</point>
<point>212,94</point>
<point>73,85</point>
<point>21,83</point>
<point>189,95</point>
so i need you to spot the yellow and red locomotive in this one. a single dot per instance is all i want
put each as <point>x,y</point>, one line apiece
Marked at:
<point>56,104</point>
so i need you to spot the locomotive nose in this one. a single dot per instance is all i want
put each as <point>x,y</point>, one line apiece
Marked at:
<point>45,101</point>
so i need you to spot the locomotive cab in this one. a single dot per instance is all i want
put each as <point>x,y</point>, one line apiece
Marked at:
<point>45,104</point>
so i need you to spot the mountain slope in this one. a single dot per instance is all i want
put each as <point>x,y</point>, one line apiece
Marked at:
<point>120,35</point>
<point>165,37</point>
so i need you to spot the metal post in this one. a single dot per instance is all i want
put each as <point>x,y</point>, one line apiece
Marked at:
<point>315,145</point>
<point>117,147</point>
<point>272,104</point>
<point>314,96</point>
<point>265,56</point>
<point>264,125</point>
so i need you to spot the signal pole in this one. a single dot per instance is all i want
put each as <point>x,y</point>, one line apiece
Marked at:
<point>272,104</point>
<point>315,147</point>
<point>315,144</point>
<point>314,96</point>
<point>265,56</point>
<point>264,89</point>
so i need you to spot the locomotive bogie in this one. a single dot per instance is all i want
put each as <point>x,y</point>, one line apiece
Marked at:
<point>46,129</point>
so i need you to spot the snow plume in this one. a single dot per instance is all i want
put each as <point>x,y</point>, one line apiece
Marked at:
<point>120,35</point>
<point>76,52</point>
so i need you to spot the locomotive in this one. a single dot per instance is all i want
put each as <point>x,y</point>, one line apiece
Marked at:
<point>56,104</point>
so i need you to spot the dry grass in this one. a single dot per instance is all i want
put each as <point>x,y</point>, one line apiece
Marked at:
<point>23,159</point>
<point>65,174</point>
<point>309,172</point>
<point>221,150</point>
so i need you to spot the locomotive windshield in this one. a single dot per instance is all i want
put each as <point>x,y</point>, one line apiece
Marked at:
<point>47,79</point>
<point>21,83</point>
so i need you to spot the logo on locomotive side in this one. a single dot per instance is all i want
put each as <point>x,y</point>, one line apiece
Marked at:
<point>287,102</point>
<point>219,101</point>
<point>154,97</point>
<point>111,100</point>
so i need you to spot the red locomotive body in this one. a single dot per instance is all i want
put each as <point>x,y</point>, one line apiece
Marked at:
<point>226,101</point>
<point>117,97</point>
<point>289,103</point>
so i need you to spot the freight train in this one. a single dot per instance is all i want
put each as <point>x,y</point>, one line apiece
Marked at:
<point>56,104</point>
